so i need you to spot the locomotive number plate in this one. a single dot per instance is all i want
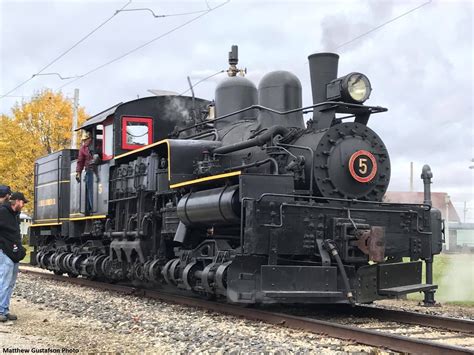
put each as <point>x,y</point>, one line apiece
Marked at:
<point>363,166</point>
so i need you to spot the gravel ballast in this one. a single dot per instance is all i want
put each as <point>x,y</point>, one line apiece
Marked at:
<point>57,315</point>
<point>441,309</point>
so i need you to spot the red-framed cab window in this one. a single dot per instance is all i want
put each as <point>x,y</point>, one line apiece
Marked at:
<point>136,132</point>
<point>108,139</point>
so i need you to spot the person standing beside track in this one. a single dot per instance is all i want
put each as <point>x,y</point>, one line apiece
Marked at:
<point>11,251</point>
<point>5,194</point>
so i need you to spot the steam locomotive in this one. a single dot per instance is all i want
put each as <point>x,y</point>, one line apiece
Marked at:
<point>239,198</point>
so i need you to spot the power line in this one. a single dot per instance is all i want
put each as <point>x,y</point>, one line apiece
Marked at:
<point>85,37</point>
<point>59,75</point>
<point>17,96</point>
<point>16,87</point>
<point>382,25</point>
<point>144,44</point>
<point>168,15</point>
<point>66,52</point>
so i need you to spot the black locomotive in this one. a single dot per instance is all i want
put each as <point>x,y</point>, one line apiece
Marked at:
<point>239,198</point>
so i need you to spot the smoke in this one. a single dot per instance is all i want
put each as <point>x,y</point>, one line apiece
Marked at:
<point>176,107</point>
<point>457,278</point>
<point>341,28</point>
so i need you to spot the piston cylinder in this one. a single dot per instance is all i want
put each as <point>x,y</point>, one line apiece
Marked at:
<point>219,206</point>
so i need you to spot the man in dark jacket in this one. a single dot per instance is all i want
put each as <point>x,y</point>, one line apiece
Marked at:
<point>84,162</point>
<point>11,251</point>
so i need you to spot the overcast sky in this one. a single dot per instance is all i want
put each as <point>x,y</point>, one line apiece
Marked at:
<point>420,65</point>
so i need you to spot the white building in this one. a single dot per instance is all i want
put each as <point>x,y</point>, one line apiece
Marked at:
<point>25,222</point>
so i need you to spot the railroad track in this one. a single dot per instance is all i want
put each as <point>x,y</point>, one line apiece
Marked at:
<point>388,333</point>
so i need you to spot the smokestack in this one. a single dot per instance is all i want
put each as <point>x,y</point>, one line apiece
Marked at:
<point>322,70</point>
<point>411,176</point>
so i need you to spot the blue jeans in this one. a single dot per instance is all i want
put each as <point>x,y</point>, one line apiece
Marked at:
<point>89,178</point>
<point>8,274</point>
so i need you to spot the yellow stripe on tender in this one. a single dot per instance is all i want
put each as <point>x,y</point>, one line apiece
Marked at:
<point>45,224</point>
<point>88,217</point>
<point>207,178</point>
<point>51,219</point>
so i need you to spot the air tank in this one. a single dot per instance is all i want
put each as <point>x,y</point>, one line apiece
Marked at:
<point>218,206</point>
<point>280,90</point>
<point>233,94</point>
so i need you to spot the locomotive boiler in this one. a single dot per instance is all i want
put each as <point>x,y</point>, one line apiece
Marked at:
<point>239,197</point>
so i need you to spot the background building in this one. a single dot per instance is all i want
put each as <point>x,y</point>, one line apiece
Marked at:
<point>25,222</point>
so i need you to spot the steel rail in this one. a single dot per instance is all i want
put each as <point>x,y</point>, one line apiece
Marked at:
<point>345,332</point>
<point>429,320</point>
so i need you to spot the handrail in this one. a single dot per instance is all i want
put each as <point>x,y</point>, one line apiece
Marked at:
<point>371,109</point>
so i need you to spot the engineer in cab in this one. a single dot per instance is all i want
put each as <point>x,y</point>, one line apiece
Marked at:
<point>84,162</point>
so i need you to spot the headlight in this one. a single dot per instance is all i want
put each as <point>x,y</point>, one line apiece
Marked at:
<point>352,88</point>
<point>358,87</point>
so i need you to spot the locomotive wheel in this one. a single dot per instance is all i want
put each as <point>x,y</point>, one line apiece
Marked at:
<point>40,260</point>
<point>105,267</point>
<point>45,260</point>
<point>205,279</point>
<point>112,269</point>
<point>174,270</point>
<point>168,271</point>
<point>59,263</point>
<point>97,263</point>
<point>146,265</point>
<point>76,264</point>
<point>52,262</point>
<point>86,267</point>
<point>39,256</point>
<point>164,272</point>
<point>153,271</point>
<point>65,262</point>
<point>189,278</point>
<point>221,276</point>
<point>55,261</point>
<point>138,271</point>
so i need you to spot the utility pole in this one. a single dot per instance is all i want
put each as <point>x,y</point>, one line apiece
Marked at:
<point>75,108</point>
<point>465,210</point>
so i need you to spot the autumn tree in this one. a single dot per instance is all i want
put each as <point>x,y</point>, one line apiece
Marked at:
<point>36,128</point>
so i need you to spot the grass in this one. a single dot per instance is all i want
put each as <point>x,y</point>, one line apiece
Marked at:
<point>28,250</point>
<point>454,275</point>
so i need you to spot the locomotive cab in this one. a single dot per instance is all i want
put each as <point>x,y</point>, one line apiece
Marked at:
<point>99,148</point>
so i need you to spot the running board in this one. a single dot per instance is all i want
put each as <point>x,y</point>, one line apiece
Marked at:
<point>402,290</point>
<point>285,294</point>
